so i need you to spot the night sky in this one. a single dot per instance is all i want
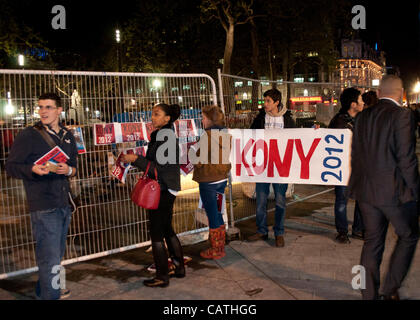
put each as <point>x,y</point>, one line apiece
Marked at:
<point>395,26</point>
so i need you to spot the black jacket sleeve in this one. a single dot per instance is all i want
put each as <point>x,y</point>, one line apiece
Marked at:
<point>168,173</point>
<point>405,142</point>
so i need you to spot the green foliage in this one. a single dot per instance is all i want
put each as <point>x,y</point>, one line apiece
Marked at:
<point>15,35</point>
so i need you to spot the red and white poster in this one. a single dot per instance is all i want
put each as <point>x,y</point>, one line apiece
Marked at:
<point>110,133</point>
<point>55,155</point>
<point>149,129</point>
<point>302,156</point>
<point>52,158</point>
<point>133,131</point>
<point>185,128</point>
<point>104,133</point>
<point>120,169</point>
<point>185,164</point>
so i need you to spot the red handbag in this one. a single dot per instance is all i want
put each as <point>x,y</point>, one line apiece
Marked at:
<point>146,192</point>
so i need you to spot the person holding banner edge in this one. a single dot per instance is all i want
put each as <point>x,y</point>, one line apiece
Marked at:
<point>212,177</point>
<point>271,117</point>
<point>351,105</point>
<point>47,189</point>
<point>163,117</point>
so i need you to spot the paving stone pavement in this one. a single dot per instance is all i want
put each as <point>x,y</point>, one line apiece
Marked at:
<point>311,266</point>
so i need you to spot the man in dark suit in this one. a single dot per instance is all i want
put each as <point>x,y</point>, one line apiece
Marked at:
<point>385,182</point>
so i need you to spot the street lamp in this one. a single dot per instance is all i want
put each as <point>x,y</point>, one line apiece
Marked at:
<point>117,36</point>
<point>118,39</point>
<point>157,84</point>
<point>21,60</point>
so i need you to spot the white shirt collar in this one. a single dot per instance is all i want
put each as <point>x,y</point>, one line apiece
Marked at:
<point>398,104</point>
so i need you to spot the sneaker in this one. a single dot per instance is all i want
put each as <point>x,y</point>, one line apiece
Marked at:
<point>279,241</point>
<point>342,238</point>
<point>357,235</point>
<point>258,236</point>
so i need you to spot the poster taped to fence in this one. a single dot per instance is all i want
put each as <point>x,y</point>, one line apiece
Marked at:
<point>78,135</point>
<point>184,129</point>
<point>133,131</point>
<point>301,156</point>
<point>110,133</point>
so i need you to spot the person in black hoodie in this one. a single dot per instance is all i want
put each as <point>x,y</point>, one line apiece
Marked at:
<point>163,117</point>
<point>272,116</point>
<point>351,105</point>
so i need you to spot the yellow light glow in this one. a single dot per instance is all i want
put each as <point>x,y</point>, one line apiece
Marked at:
<point>417,87</point>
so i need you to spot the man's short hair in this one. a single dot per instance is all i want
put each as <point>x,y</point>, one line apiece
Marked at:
<point>390,85</point>
<point>273,94</point>
<point>348,96</point>
<point>51,96</point>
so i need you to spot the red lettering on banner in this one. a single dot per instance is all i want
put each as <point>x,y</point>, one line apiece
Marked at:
<point>260,145</point>
<point>304,160</point>
<point>242,155</point>
<point>283,167</point>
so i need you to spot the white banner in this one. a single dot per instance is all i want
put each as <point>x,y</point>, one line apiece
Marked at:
<point>301,156</point>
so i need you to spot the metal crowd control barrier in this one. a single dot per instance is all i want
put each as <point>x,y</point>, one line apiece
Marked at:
<point>241,98</point>
<point>107,221</point>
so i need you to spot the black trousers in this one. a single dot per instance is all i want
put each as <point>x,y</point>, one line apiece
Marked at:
<point>161,219</point>
<point>405,221</point>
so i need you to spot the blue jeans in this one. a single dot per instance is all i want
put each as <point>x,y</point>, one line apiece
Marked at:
<point>262,191</point>
<point>209,199</point>
<point>340,212</point>
<point>50,232</point>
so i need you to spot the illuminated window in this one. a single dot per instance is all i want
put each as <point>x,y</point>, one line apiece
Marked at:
<point>238,84</point>
<point>186,87</point>
<point>299,79</point>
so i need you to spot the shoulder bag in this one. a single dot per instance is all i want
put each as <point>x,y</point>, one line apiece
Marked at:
<point>146,192</point>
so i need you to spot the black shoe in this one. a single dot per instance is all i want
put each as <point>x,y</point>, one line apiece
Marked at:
<point>176,269</point>
<point>177,265</point>
<point>358,235</point>
<point>155,282</point>
<point>342,238</point>
<point>258,236</point>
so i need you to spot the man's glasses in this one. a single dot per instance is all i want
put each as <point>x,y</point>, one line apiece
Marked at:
<point>48,108</point>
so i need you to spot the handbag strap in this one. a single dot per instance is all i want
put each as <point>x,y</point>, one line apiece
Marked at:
<point>147,170</point>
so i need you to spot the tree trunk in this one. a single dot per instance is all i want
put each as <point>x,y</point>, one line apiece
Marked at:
<point>228,48</point>
<point>255,65</point>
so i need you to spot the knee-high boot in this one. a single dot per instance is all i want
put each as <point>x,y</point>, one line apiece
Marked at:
<point>160,256</point>
<point>177,256</point>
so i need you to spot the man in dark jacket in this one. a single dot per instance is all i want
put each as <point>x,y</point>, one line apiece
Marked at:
<point>385,181</point>
<point>271,117</point>
<point>47,189</point>
<point>351,105</point>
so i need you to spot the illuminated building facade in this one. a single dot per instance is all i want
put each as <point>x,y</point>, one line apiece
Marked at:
<point>359,65</point>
